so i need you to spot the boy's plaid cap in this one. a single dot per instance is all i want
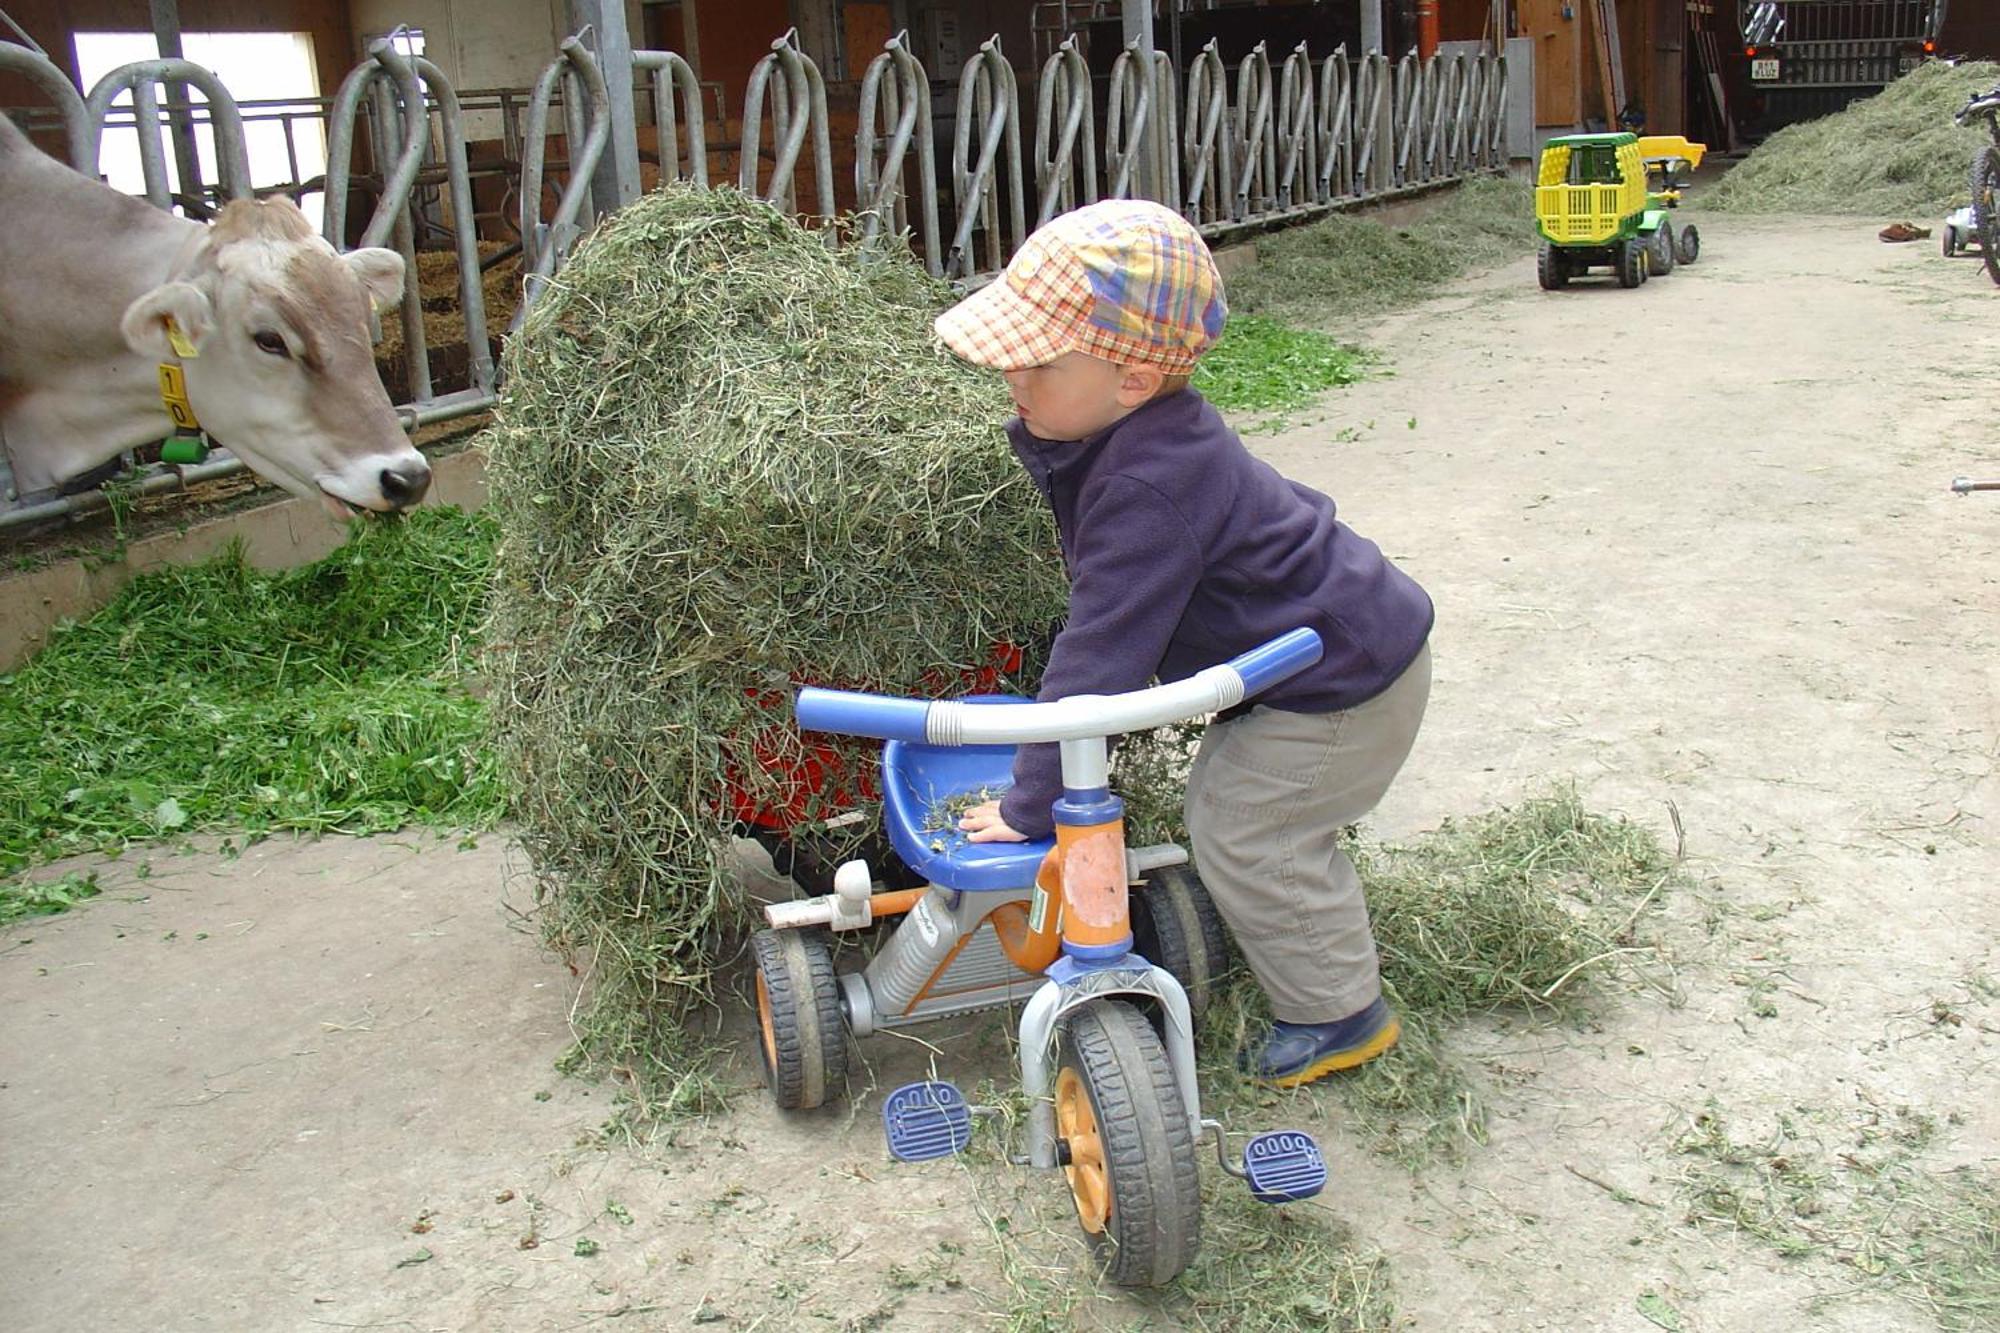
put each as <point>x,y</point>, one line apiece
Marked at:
<point>1126,280</point>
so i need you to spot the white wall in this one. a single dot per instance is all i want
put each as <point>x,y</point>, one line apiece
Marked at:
<point>480,43</point>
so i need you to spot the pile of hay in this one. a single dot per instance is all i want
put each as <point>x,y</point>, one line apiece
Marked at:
<point>1895,155</point>
<point>730,458</point>
<point>1351,266</point>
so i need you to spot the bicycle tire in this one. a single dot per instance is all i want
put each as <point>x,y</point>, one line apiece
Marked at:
<point>1986,208</point>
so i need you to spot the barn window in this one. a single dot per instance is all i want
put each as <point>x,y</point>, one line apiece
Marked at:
<point>284,130</point>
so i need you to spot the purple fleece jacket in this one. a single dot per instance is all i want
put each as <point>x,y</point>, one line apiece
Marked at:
<point>1184,550</point>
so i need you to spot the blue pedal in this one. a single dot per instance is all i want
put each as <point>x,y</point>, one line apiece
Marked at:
<point>926,1121</point>
<point>1284,1166</point>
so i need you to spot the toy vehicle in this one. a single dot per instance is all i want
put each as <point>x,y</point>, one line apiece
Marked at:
<point>1112,984</point>
<point>827,774</point>
<point>1961,232</point>
<point>1594,207</point>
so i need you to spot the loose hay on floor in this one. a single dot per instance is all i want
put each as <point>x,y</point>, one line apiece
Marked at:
<point>1895,155</point>
<point>1351,267</point>
<point>730,459</point>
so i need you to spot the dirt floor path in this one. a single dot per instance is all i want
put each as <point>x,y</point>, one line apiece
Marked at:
<point>1692,548</point>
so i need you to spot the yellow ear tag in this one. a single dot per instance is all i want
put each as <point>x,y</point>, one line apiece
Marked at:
<point>177,340</point>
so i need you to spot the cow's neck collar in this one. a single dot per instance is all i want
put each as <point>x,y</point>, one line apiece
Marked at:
<point>189,442</point>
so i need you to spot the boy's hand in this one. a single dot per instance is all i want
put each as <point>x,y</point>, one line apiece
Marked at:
<point>982,823</point>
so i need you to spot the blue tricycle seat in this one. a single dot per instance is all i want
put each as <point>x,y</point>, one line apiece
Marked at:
<point>917,779</point>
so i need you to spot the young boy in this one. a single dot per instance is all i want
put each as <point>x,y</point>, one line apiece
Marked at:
<point>1183,550</point>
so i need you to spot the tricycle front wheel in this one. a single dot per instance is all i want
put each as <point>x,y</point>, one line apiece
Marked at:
<point>1126,1146</point>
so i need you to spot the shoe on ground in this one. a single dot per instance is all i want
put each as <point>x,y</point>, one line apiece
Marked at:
<point>1292,1054</point>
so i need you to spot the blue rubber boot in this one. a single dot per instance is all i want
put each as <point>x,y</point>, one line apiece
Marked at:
<point>1296,1053</point>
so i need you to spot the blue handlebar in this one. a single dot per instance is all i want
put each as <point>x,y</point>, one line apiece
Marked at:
<point>892,719</point>
<point>1281,658</point>
<point>877,715</point>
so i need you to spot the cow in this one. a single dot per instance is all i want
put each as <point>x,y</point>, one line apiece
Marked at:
<point>110,309</point>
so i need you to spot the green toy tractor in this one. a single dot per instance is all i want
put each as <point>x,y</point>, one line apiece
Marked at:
<point>1593,208</point>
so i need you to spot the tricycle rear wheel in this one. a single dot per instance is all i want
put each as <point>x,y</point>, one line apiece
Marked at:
<point>1126,1146</point>
<point>802,1033</point>
<point>1176,925</point>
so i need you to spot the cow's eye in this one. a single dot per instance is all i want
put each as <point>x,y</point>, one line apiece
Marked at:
<point>267,341</point>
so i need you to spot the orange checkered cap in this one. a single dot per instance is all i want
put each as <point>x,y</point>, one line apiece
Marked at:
<point>1125,280</point>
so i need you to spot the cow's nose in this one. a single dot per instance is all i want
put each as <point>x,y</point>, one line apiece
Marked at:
<point>404,484</point>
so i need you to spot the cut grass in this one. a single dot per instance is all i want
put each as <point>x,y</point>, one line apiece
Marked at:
<point>1523,910</point>
<point>21,899</point>
<point>1261,366</point>
<point>1349,268</point>
<point>1851,1187</point>
<point>1260,1269</point>
<point>1895,155</point>
<point>329,697</point>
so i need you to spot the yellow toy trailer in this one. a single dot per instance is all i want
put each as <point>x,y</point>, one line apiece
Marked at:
<point>1595,208</point>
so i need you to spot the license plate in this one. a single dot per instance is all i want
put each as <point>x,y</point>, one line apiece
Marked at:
<point>1764,70</point>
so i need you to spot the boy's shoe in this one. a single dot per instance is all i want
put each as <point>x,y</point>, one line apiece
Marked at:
<point>1296,1053</point>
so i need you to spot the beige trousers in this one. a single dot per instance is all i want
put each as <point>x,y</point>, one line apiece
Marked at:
<point>1267,799</point>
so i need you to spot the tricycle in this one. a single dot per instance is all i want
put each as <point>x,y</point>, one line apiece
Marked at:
<point>1111,983</point>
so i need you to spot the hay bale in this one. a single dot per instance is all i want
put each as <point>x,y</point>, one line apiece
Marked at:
<point>729,458</point>
<point>1894,155</point>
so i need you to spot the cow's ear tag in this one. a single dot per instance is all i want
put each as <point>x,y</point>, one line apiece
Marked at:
<point>177,340</point>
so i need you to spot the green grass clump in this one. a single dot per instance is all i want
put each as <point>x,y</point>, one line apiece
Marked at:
<point>1895,155</point>
<point>1350,267</point>
<point>1517,911</point>
<point>327,697</point>
<point>23,898</point>
<point>1261,365</point>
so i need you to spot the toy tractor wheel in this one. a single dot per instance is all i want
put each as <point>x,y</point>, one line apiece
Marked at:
<point>1690,245</point>
<point>1986,208</point>
<point>1631,263</point>
<point>1175,924</point>
<point>1663,250</point>
<point>802,1034</point>
<point>1126,1146</point>
<point>1552,268</point>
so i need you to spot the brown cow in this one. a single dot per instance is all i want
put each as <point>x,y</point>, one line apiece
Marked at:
<point>265,322</point>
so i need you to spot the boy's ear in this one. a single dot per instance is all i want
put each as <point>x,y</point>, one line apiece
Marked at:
<point>1138,384</point>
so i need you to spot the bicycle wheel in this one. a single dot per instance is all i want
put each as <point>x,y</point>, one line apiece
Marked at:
<point>1986,208</point>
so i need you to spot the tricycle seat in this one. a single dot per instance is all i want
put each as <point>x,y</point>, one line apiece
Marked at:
<point>919,780</point>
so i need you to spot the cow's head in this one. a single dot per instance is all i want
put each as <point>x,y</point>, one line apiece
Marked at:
<point>283,371</point>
